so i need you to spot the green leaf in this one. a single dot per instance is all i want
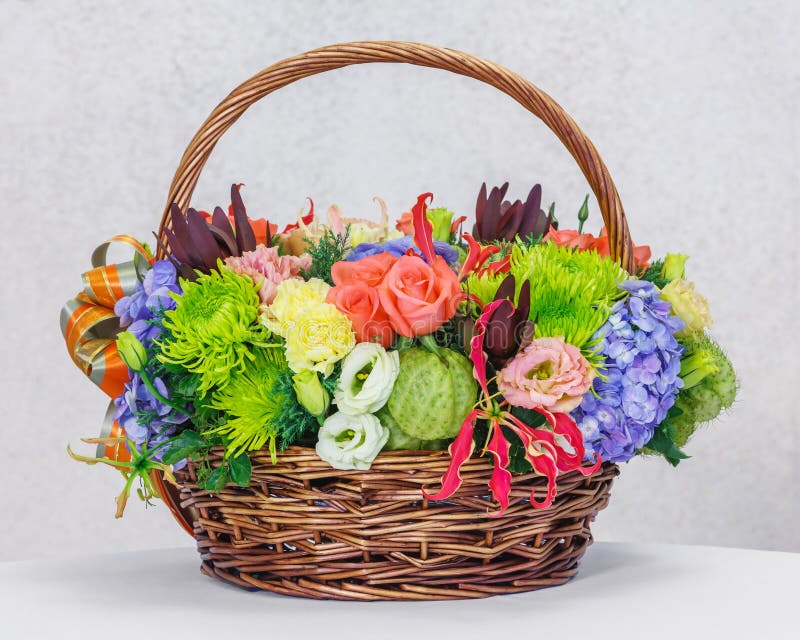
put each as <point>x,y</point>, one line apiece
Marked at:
<point>216,480</point>
<point>240,469</point>
<point>185,445</point>
<point>662,442</point>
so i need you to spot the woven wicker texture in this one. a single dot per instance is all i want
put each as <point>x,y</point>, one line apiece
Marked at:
<point>305,529</point>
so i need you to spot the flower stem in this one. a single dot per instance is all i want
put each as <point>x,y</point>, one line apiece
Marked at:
<point>157,394</point>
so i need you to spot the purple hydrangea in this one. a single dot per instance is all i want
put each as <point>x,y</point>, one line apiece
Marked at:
<point>399,247</point>
<point>643,361</point>
<point>146,419</point>
<point>140,311</point>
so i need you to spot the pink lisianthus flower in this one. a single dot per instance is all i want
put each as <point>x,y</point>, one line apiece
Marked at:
<point>548,374</point>
<point>264,266</point>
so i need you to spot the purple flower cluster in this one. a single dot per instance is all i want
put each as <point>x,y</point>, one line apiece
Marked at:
<point>146,419</point>
<point>399,246</point>
<point>140,312</point>
<point>643,360</point>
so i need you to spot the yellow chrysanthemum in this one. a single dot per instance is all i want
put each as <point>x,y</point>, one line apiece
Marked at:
<point>292,299</point>
<point>317,338</point>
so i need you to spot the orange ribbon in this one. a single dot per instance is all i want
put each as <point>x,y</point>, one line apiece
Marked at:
<point>90,328</point>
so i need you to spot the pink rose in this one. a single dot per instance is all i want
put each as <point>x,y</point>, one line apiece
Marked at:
<point>548,373</point>
<point>263,265</point>
<point>419,298</point>
<point>361,304</point>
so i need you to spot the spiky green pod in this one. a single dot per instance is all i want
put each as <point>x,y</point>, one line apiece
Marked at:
<point>706,398</point>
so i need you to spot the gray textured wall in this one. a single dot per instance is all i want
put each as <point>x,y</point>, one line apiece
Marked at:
<point>692,104</point>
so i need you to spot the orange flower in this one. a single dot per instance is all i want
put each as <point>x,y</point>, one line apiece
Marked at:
<point>369,270</point>
<point>419,298</point>
<point>405,224</point>
<point>570,238</point>
<point>361,304</point>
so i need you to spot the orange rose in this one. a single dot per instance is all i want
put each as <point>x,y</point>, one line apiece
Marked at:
<point>419,298</point>
<point>361,304</point>
<point>369,270</point>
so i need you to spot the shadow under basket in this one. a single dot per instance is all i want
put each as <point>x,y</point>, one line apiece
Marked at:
<point>305,529</point>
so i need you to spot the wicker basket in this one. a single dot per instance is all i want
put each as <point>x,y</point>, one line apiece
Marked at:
<point>305,529</point>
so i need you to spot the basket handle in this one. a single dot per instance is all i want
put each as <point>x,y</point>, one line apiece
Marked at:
<point>341,55</point>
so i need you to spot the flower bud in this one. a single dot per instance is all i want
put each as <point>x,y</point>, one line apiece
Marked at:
<point>697,366</point>
<point>674,266</point>
<point>441,219</point>
<point>132,352</point>
<point>310,392</point>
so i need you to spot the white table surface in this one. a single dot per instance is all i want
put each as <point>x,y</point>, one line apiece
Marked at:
<point>623,591</point>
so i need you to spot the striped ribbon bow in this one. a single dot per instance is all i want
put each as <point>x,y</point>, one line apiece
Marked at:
<point>90,327</point>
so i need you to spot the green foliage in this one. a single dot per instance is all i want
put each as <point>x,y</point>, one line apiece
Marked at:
<point>653,274</point>
<point>240,469</point>
<point>326,251</point>
<point>663,443</point>
<point>187,444</point>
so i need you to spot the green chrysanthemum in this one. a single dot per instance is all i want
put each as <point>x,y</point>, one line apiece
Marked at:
<point>571,291</point>
<point>210,330</point>
<point>483,287</point>
<point>260,406</point>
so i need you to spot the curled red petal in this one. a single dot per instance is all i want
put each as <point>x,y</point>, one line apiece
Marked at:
<point>499,266</point>
<point>477,255</point>
<point>460,451</point>
<point>543,464</point>
<point>423,229</point>
<point>568,440</point>
<point>476,353</point>
<point>542,454</point>
<point>307,219</point>
<point>457,223</point>
<point>500,483</point>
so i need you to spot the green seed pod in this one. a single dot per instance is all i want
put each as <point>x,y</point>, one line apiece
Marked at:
<point>707,398</point>
<point>433,393</point>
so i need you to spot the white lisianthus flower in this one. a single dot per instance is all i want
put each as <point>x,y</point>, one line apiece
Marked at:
<point>351,442</point>
<point>367,379</point>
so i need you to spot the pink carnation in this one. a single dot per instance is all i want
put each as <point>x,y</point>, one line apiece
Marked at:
<point>264,265</point>
<point>548,373</point>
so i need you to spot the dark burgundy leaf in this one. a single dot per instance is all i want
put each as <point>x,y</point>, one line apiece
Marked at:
<point>530,222</point>
<point>223,232</point>
<point>245,238</point>
<point>203,241</point>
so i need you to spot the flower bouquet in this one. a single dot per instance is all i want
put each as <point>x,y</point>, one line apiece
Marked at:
<point>416,409</point>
